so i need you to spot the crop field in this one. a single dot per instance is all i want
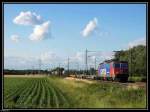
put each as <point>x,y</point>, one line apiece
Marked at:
<point>56,92</point>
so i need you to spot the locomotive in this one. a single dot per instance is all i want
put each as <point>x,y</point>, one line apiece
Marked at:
<point>113,70</point>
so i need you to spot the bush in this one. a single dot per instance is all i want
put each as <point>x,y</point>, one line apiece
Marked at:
<point>144,79</point>
<point>137,79</point>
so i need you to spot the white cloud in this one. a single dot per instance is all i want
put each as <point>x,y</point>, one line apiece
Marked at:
<point>107,55</point>
<point>40,32</point>
<point>139,41</point>
<point>17,62</point>
<point>27,18</point>
<point>90,27</point>
<point>131,44</point>
<point>15,38</point>
<point>48,56</point>
<point>104,55</point>
<point>78,57</point>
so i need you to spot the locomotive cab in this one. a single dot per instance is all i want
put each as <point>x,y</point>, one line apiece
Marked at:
<point>114,70</point>
<point>120,70</point>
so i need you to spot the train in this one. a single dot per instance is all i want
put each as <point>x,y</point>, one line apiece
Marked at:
<point>113,70</point>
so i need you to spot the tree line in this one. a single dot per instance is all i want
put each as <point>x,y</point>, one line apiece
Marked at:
<point>137,60</point>
<point>24,72</point>
<point>55,71</point>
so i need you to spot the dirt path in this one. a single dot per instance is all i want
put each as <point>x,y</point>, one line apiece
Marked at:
<point>83,80</point>
<point>127,85</point>
<point>136,85</point>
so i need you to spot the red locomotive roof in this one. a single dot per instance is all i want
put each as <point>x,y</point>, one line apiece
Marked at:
<point>109,61</point>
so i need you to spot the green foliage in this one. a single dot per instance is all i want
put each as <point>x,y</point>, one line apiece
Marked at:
<point>59,70</point>
<point>137,79</point>
<point>23,72</point>
<point>136,58</point>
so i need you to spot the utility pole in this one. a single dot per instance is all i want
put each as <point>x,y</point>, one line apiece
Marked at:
<point>59,70</point>
<point>32,70</point>
<point>68,66</point>
<point>86,68</point>
<point>39,65</point>
<point>95,65</point>
<point>86,63</point>
<point>77,67</point>
<point>131,62</point>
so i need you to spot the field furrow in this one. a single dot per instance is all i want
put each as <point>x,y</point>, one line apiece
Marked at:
<point>14,89</point>
<point>62,98</point>
<point>24,95</point>
<point>63,102</point>
<point>54,97</point>
<point>37,94</point>
<point>31,95</point>
<point>41,98</point>
<point>14,95</point>
<point>48,96</point>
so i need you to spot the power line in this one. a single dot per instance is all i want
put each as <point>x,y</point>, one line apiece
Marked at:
<point>86,62</point>
<point>95,63</point>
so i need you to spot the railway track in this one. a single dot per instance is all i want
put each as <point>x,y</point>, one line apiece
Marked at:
<point>128,84</point>
<point>134,85</point>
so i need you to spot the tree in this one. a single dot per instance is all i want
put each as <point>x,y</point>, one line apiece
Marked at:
<point>136,58</point>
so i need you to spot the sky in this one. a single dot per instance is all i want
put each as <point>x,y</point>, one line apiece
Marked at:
<point>53,32</point>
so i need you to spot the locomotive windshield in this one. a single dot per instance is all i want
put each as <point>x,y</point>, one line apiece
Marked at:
<point>116,65</point>
<point>124,65</point>
<point>120,65</point>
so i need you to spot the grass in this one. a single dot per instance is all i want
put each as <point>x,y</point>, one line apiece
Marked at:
<point>100,95</point>
<point>56,92</point>
<point>137,79</point>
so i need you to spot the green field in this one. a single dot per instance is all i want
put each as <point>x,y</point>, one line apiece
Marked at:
<point>55,92</point>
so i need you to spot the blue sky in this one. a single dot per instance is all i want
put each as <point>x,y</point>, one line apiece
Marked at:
<point>107,27</point>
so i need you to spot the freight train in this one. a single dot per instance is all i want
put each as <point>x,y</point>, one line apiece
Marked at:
<point>113,70</point>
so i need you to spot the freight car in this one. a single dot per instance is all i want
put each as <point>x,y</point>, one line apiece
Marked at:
<point>113,70</point>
